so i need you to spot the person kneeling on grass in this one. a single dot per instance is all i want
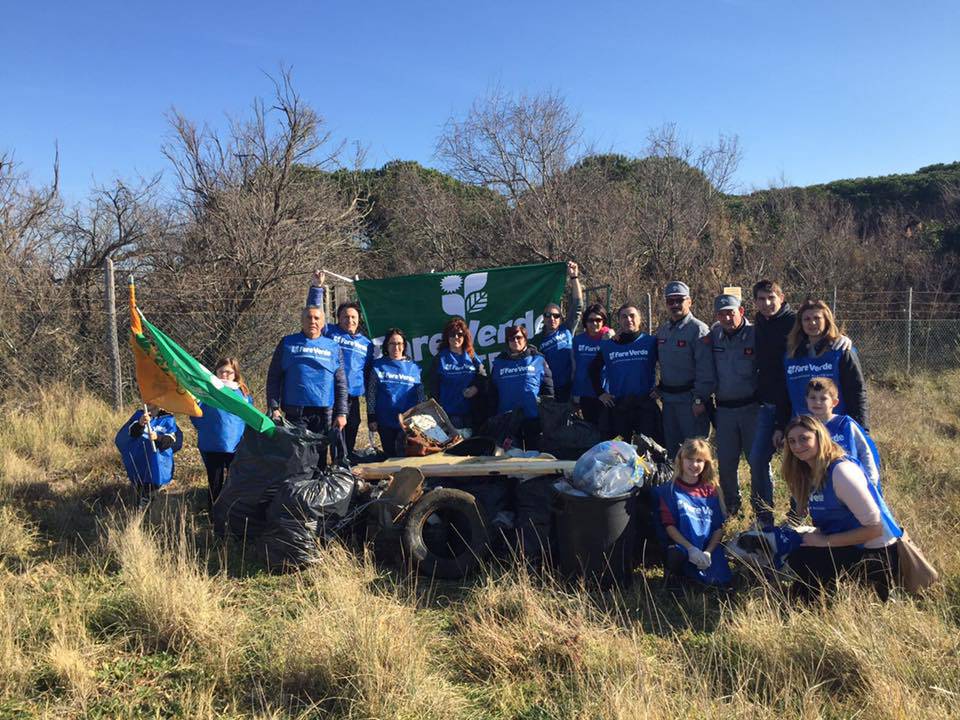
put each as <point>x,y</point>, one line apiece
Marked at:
<point>822,398</point>
<point>854,533</point>
<point>148,454</point>
<point>692,514</point>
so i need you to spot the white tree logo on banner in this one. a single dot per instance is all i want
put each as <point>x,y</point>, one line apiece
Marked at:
<point>471,299</point>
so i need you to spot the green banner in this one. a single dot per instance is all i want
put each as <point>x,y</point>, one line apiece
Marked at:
<point>489,300</point>
<point>202,383</point>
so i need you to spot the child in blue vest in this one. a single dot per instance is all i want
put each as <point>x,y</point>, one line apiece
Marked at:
<point>218,431</point>
<point>692,515</point>
<point>822,398</point>
<point>394,386</point>
<point>148,455</point>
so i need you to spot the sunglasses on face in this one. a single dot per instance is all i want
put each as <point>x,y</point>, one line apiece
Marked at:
<point>554,315</point>
<point>456,334</point>
<point>675,300</point>
<point>515,338</point>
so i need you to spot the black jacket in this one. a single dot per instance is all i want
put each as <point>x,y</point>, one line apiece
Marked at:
<point>771,349</point>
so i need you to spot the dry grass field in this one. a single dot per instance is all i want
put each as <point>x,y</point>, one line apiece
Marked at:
<point>105,613</point>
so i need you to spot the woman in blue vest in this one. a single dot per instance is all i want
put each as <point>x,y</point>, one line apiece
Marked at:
<point>586,346</point>
<point>394,386</point>
<point>518,379</point>
<point>218,431</point>
<point>855,531</point>
<point>457,375</point>
<point>556,339</point>
<point>812,352</point>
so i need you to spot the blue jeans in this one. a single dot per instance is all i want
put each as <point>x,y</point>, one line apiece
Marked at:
<point>761,483</point>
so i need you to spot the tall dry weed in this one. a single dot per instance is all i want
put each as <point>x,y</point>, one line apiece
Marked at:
<point>359,652</point>
<point>171,600</point>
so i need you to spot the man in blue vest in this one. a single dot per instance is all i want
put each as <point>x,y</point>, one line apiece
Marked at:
<point>306,380</point>
<point>357,354</point>
<point>556,340</point>
<point>629,364</point>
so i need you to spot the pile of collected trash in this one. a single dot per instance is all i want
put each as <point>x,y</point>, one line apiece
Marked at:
<point>276,495</point>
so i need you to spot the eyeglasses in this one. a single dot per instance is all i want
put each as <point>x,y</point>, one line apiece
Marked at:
<point>456,333</point>
<point>515,338</point>
<point>594,320</point>
<point>394,344</point>
<point>675,300</point>
<point>551,315</point>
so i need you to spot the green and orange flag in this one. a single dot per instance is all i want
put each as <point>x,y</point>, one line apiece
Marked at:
<point>170,377</point>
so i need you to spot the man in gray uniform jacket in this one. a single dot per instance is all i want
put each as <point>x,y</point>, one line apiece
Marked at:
<point>733,341</point>
<point>686,370</point>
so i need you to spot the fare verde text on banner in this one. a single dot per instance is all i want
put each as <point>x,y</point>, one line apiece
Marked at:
<point>489,300</point>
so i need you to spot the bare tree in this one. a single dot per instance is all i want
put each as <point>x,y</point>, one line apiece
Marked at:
<point>519,147</point>
<point>262,208</point>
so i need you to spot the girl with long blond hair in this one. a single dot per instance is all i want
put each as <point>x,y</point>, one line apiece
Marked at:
<point>814,350</point>
<point>855,531</point>
<point>692,514</point>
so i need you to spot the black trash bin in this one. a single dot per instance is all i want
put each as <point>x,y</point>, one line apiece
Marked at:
<point>596,537</point>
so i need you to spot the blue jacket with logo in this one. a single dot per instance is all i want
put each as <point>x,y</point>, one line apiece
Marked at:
<point>628,363</point>
<point>451,374</point>
<point>394,387</point>
<point>518,381</point>
<point>843,367</point>
<point>357,348</point>
<point>307,372</point>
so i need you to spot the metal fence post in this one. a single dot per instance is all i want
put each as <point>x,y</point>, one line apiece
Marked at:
<point>113,346</point>
<point>649,314</point>
<point>909,327</point>
<point>834,308</point>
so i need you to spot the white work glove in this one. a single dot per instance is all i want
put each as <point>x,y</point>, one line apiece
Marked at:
<point>842,343</point>
<point>699,558</point>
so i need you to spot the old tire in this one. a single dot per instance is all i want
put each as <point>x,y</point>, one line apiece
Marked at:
<point>444,535</point>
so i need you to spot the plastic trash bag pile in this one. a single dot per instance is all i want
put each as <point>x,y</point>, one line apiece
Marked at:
<point>275,493</point>
<point>608,469</point>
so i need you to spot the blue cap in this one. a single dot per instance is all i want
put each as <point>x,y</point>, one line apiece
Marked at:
<point>726,302</point>
<point>675,287</point>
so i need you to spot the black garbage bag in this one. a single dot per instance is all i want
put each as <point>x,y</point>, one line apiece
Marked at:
<point>305,508</point>
<point>566,435</point>
<point>262,462</point>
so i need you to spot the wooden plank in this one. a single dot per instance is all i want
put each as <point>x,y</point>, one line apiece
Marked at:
<point>466,466</point>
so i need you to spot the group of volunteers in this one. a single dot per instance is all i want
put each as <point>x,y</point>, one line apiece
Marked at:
<point>788,380</point>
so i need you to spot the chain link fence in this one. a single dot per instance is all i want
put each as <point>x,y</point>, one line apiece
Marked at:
<point>897,331</point>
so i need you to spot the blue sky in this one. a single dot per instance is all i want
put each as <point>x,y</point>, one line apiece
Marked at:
<point>815,90</point>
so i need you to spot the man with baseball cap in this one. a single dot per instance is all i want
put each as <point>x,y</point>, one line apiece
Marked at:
<point>686,370</point>
<point>733,341</point>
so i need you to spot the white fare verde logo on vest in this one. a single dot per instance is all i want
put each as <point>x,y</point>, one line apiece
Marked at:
<point>825,367</point>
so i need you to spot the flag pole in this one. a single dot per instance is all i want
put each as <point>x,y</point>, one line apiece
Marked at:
<point>153,444</point>
<point>338,277</point>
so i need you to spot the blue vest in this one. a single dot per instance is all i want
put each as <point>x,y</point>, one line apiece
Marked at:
<point>631,369</point>
<point>802,370</point>
<point>518,383</point>
<point>142,463</point>
<point>456,371</point>
<point>398,382</point>
<point>219,430</point>
<point>840,428</point>
<point>831,516</point>
<point>357,350</point>
<point>308,370</point>
<point>557,348</point>
<point>697,518</point>
<point>585,349</point>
